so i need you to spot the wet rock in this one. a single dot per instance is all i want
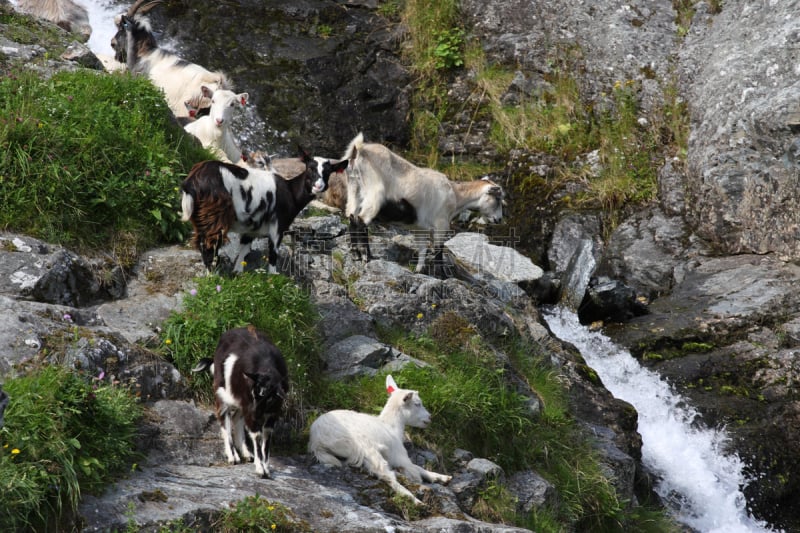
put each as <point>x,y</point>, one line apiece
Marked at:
<point>609,300</point>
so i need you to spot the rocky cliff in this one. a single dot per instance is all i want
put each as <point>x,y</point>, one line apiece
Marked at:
<point>716,254</point>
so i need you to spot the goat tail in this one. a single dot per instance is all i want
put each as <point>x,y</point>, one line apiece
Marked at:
<point>205,363</point>
<point>354,147</point>
<point>187,206</point>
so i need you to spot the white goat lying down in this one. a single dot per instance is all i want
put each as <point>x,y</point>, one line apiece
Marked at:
<point>375,442</point>
<point>385,187</point>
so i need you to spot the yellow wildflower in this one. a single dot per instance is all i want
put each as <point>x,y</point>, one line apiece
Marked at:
<point>15,451</point>
<point>419,316</point>
<point>168,341</point>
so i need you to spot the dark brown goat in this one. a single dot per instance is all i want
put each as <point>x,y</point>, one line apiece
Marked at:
<point>251,383</point>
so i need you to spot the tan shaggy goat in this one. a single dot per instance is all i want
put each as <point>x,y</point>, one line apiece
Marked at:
<point>383,186</point>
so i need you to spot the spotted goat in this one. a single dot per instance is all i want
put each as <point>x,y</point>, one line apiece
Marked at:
<point>220,197</point>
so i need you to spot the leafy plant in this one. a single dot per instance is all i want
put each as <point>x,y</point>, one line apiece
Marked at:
<point>449,48</point>
<point>64,434</point>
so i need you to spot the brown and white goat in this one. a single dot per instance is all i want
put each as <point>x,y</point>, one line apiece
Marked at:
<point>385,187</point>
<point>221,197</point>
<point>375,442</point>
<point>135,46</point>
<point>251,383</point>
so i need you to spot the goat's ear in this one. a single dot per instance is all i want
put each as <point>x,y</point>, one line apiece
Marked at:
<point>340,166</point>
<point>304,157</point>
<point>243,97</point>
<point>208,93</point>
<point>391,386</point>
<point>407,397</point>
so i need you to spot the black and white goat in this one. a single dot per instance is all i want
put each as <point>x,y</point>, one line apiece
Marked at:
<point>135,46</point>
<point>251,383</point>
<point>385,187</point>
<point>220,197</point>
<point>375,442</point>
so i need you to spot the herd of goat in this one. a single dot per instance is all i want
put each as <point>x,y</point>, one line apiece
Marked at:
<point>245,194</point>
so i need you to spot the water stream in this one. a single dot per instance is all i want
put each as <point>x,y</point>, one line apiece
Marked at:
<point>700,482</point>
<point>101,19</point>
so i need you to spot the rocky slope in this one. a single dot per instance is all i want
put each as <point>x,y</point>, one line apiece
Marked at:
<point>723,321</point>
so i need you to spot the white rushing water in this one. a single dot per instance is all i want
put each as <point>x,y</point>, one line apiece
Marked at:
<point>101,19</point>
<point>699,481</point>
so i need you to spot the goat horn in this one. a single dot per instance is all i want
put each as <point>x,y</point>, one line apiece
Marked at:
<point>137,6</point>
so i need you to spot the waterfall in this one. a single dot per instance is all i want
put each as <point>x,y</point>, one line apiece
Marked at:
<point>699,482</point>
<point>101,19</point>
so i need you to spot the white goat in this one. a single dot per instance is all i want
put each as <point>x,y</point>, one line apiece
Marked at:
<point>214,129</point>
<point>383,186</point>
<point>375,442</point>
<point>135,46</point>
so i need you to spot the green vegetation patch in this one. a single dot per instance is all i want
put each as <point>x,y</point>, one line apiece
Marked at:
<point>91,160</point>
<point>259,515</point>
<point>64,434</point>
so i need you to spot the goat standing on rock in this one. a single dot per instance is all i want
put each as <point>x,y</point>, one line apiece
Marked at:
<point>251,382</point>
<point>375,442</point>
<point>385,187</point>
<point>220,197</point>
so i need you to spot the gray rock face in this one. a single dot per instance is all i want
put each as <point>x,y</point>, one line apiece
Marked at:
<point>359,355</point>
<point>574,251</point>
<point>316,73</point>
<point>738,71</point>
<point>645,252</point>
<point>618,40</point>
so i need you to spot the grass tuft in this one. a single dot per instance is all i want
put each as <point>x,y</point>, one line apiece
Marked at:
<point>63,435</point>
<point>90,159</point>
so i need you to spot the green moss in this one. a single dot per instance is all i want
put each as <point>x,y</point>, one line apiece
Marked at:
<point>652,356</point>
<point>91,160</point>
<point>696,347</point>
